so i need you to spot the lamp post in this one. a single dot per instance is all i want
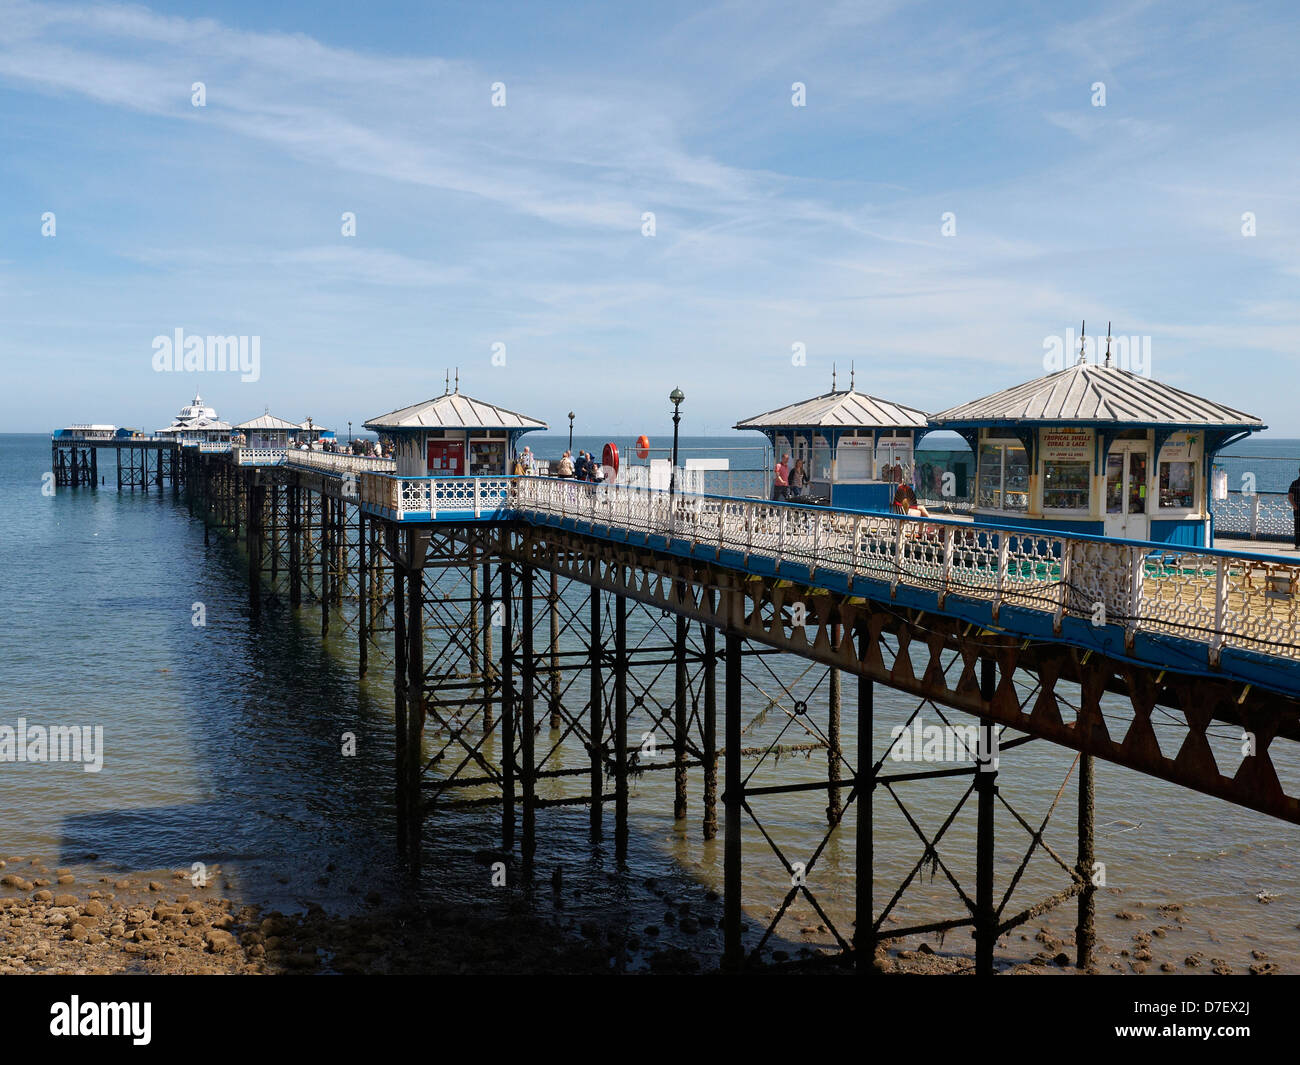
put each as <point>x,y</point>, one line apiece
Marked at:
<point>676,397</point>
<point>570,432</point>
<point>309,432</point>
<point>349,433</point>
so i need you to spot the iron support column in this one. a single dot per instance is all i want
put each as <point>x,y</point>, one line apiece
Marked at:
<point>526,726</point>
<point>597,720</point>
<point>1085,935</point>
<point>680,717</point>
<point>985,791</point>
<point>507,711</point>
<point>392,535</point>
<point>620,726</point>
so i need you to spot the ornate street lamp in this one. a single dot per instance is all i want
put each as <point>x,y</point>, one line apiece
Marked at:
<point>570,432</point>
<point>676,397</point>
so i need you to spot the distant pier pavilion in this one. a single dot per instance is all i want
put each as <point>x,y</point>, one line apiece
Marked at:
<point>1100,450</point>
<point>855,447</point>
<point>268,431</point>
<point>198,425</point>
<point>453,435</point>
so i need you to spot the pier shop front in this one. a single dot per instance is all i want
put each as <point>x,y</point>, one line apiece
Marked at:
<point>1100,450</point>
<point>855,448</point>
<point>453,436</point>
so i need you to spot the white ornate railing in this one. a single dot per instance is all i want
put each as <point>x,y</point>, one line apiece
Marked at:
<point>102,441</point>
<point>1216,598</point>
<point>1213,597</point>
<point>405,496</point>
<point>259,456</point>
<point>1258,517</point>
<point>339,462</point>
<point>214,447</point>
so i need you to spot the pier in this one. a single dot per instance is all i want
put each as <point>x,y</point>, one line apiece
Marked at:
<point>142,462</point>
<point>501,607</point>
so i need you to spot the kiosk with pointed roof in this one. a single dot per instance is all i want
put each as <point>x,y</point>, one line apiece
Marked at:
<point>268,431</point>
<point>854,446</point>
<point>1098,449</point>
<point>453,435</point>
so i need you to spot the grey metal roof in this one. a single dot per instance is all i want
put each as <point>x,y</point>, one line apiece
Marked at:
<point>1095,394</point>
<point>453,411</point>
<point>198,424</point>
<point>267,421</point>
<point>839,410</point>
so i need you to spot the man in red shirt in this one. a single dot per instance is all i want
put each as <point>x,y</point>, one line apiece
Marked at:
<point>781,488</point>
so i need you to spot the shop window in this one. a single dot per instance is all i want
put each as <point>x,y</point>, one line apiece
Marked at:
<point>487,458</point>
<point>1178,485</point>
<point>1065,485</point>
<point>1003,478</point>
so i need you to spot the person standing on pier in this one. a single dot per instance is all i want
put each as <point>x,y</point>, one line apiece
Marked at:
<point>1293,494</point>
<point>798,479</point>
<point>781,481</point>
<point>565,468</point>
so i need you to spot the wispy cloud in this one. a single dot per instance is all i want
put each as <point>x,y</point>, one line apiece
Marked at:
<point>774,224</point>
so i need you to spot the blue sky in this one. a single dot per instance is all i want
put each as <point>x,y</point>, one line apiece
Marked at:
<point>775,225</point>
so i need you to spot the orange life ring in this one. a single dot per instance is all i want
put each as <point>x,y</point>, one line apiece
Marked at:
<point>643,446</point>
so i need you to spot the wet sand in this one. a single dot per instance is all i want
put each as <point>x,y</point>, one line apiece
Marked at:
<point>159,922</point>
<point>58,921</point>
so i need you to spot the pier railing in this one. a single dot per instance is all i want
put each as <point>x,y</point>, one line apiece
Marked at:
<point>259,456</point>
<point>1216,598</point>
<point>410,498</point>
<point>339,462</point>
<point>1213,597</point>
<point>1260,516</point>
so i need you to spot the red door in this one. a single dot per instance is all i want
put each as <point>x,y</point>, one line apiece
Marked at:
<point>446,458</point>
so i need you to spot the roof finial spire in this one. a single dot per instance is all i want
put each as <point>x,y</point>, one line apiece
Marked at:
<point>832,377</point>
<point>852,370</point>
<point>446,381</point>
<point>458,380</point>
<point>1108,343</point>
<point>1083,342</point>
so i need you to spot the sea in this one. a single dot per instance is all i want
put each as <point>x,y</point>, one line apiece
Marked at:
<point>222,746</point>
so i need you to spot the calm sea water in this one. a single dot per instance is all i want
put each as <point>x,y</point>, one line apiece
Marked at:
<point>223,746</point>
<point>1273,462</point>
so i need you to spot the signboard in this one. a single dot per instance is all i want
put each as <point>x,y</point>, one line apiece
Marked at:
<point>1065,444</point>
<point>1180,447</point>
<point>853,458</point>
